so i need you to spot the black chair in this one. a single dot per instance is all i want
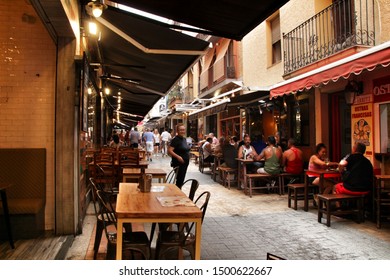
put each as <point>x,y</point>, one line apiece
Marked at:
<point>182,239</point>
<point>172,175</point>
<point>132,241</point>
<point>273,257</point>
<point>191,195</point>
<point>193,188</point>
<point>99,218</point>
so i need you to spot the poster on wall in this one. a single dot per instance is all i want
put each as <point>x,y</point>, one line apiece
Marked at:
<point>200,128</point>
<point>361,117</point>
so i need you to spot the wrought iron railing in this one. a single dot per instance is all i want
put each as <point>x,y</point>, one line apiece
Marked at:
<point>344,24</point>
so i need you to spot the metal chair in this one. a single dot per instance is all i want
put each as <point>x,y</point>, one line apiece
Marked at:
<point>132,241</point>
<point>171,176</point>
<point>182,239</point>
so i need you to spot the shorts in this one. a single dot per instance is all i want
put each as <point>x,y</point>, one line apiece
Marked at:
<point>149,147</point>
<point>157,144</point>
<point>339,189</point>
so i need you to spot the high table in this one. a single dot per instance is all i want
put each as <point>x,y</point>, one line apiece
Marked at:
<point>134,206</point>
<point>317,173</point>
<point>3,187</point>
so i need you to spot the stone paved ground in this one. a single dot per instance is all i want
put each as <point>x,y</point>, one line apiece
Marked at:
<point>239,227</point>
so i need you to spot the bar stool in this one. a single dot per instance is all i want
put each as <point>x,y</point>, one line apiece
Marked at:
<point>381,196</point>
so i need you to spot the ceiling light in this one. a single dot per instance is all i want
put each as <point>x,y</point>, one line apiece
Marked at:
<point>97,7</point>
<point>107,91</point>
<point>92,28</point>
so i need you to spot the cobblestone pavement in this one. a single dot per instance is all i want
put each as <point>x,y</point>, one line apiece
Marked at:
<point>239,227</point>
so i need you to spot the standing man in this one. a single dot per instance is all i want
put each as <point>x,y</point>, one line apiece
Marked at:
<point>165,138</point>
<point>292,159</point>
<point>148,139</point>
<point>180,153</point>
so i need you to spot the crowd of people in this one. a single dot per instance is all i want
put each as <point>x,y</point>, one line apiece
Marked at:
<point>272,156</point>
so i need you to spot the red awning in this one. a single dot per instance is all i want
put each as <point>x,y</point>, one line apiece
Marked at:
<point>354,64</point>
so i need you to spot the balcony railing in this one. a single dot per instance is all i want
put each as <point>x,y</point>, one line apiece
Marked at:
<point>344,24</point>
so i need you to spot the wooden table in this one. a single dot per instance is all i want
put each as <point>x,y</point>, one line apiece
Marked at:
<point>317,173</point>
<point>3,194</point>
<point>378,201</point>
<point>242,163</point>
<point>134,206</point>
<point>135,173</point>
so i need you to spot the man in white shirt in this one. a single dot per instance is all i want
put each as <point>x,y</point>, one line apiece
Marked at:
<point>165,138</point>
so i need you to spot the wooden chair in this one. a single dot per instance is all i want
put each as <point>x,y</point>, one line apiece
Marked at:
<point>182,239</point>
<point>104,170</point>
<point>132,241</point>
<point>326,206</point>
<point>228,175</point>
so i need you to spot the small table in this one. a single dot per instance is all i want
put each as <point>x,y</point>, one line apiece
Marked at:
<point>134,173</point>
<point>134,206</point>
<point>242,163</point>
<point>3,187</point>
<point>317,173</point>
<point>377,196</point>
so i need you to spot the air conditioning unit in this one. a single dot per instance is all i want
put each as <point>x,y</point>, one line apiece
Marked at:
<point>231,72</point>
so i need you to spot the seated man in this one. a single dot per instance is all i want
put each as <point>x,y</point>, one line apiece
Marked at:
<point>273,158</point>
<point>292,159</point>
<point>357,173</point>
<point>229,153</point>
<point>207,150</point>
<point>247,151</point>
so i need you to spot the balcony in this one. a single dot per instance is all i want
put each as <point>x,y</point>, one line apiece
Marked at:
<point>220,71</point>
<point>344,24</point>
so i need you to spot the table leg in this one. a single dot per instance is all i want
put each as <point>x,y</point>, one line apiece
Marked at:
<point>244,176</point>
<point>306,194</point>
<point>198,238</point>
<point>119,239</point>
<point>6,218</point>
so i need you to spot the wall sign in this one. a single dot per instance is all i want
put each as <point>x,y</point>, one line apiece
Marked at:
<point>361,117</point>
<point>381,89</point>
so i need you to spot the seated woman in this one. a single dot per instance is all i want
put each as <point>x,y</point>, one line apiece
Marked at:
<point>319,161</point>
<point>218,147</point>
<point>207,150</point>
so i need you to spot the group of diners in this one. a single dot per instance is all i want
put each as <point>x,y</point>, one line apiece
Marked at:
<point>355,175</point>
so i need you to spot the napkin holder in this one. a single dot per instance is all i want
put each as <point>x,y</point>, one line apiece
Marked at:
<point>145,183</point>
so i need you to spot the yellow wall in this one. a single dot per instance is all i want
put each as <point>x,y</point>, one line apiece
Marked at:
<point>27,87</point>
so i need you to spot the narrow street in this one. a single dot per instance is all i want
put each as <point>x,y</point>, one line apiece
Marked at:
<point>237,227</point>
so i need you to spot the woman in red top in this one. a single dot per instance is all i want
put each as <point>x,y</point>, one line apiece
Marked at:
<point>292,159</point>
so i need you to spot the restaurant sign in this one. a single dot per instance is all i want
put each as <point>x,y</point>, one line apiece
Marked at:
<point>361,117</point>
<point>381,89</point>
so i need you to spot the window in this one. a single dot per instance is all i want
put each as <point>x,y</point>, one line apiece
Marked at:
<point>301,122</point>
<point>275,40</point>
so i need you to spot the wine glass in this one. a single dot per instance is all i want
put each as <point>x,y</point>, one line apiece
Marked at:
<point>326,160</point>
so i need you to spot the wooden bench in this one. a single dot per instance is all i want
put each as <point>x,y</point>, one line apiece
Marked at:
<point>295,192</point>
<point>265,177</point>
<point>228,175</point>
<point>327,202</point>
<point>25,170</point>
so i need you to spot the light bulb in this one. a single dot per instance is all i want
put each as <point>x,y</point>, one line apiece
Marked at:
<point>97,9</point>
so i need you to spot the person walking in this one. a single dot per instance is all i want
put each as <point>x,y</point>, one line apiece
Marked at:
<point>134,138</point>
<point>148,139</point>
<point>180,152</point>
<point>165,138</point>
<point>156,141</point>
